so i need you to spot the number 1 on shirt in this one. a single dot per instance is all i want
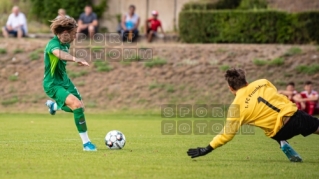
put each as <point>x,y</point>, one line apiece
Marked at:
<point>261,99</point>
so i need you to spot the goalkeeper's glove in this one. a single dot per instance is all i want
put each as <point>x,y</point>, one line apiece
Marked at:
<point>199,151</point>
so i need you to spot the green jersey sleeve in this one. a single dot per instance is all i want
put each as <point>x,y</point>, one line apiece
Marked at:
<point>53,45</point>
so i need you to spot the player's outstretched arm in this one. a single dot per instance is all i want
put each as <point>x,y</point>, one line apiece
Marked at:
<point>68,57</point>
<point>227,134</point>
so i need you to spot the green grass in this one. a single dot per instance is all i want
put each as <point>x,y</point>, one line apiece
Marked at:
<point>280,82</point>
<point>276,62</point>
<point>155,85</point>
<point>97,48</point>
<point>134,58</point>
<point>3,51</point>
<point>13,78</point>
<point>288,75</point>
<point>143,48</point>
<point>105,69</point>
<point>170,89</point>
<point>39,50</point>
<point>10,101</point>
<point>293,51</point>
<point>102,66</point>
<point>73,74</point>
<point>43,146</point>
<point>221,50</point>
<point>112,95</point>
<point>309,70</point>
<point>259,62</point>
<point>80,83</point>
<point>16,51</point>
<point>157,61</point>
<point>34,56</point>
<point>224,67</point>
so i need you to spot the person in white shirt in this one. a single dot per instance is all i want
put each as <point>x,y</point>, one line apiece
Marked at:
<point>307,100</point>
<point>16,24</point>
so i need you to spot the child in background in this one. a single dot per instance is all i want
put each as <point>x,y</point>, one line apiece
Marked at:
<point>152,25</point>
<point>290,91</point>
<point>307,100</point>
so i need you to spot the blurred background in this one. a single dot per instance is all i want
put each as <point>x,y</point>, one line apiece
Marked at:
<point>38,12</point>
<point>273,39</point>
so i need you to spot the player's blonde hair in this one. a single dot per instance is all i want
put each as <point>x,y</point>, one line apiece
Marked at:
<point>59,25</point>
<point>236,78</point>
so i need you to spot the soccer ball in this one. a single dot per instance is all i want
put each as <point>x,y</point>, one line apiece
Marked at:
<point>115,140</point>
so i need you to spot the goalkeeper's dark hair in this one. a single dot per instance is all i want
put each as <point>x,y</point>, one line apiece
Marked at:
<point>291,84</point>
<point>61,24</point>
<point>236,78</point>
<point>308,83</point>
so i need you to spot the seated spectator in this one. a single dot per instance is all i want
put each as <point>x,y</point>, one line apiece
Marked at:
<point>290,91</point>
<point>129,24</point>
<point>62,13</point>
<point>308,99</point>
<point>152,25</point>
<point>16,24</point>
<point>88,22</point>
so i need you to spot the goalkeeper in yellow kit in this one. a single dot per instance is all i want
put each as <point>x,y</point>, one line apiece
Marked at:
<point>262,106</point>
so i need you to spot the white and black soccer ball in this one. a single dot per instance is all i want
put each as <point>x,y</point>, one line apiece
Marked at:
<point>115,139</point>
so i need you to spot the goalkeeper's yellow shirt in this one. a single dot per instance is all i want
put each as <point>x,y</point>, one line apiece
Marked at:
<point>259,105</point>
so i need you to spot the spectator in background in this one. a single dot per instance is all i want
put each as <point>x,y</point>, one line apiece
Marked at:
<point>152,25</point>
<point>16,24</point>
<point>88,22</point>
<point>308,99</point>
<point>62,13</point>
<point>290,91</point>
<point>130,23</point>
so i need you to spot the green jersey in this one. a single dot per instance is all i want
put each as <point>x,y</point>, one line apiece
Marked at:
<point>54,68</point>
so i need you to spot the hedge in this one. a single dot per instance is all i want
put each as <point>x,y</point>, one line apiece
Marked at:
<point>229,26</point>
<point>208,5</point>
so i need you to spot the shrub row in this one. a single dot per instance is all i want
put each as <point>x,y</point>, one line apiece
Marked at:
<point>225,4</point>
<point>209,5</point>
<point>235,26</point>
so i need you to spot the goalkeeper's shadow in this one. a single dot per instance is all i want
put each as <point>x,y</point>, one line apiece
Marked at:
<point>268,161</point>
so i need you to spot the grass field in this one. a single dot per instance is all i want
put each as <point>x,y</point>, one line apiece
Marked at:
<point>44,146</point>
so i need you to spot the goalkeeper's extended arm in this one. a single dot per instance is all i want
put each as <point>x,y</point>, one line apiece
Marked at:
<point>199,151</point>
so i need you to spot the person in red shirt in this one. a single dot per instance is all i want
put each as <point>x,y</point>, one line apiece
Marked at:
<point>152,24</point>
<point>290,91</point>
<point>307,100</point>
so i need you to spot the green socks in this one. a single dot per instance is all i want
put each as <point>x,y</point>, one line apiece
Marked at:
<point>79,119</point>
<point>66,109</point>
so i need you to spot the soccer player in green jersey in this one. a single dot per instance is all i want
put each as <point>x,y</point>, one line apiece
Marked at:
<point>56,82</point>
